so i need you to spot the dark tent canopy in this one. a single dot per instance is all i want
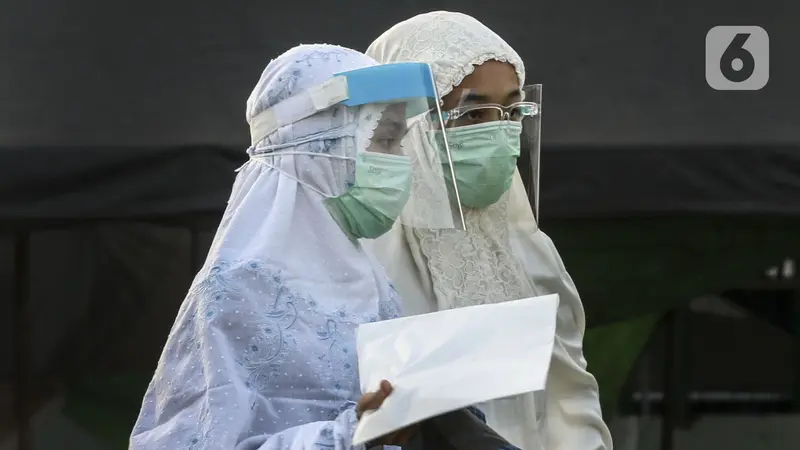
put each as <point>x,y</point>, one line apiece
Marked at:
<point>112,111</point>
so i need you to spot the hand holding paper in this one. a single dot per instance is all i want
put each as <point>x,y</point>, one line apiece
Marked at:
<point>447,360</point>
<point>372,401</point>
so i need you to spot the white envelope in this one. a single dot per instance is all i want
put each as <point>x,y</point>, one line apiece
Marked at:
<point>448,360</point>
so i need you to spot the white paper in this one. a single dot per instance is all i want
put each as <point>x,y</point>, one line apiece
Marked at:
<point>448,360</point>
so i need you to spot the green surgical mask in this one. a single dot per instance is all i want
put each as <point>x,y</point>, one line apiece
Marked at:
<point>381,189</point>
<point>484,159</point>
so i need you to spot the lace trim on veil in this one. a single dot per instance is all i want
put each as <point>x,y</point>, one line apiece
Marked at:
<point>475,266</point>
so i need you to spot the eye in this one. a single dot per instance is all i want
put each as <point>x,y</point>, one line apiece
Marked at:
<point>475,115</point>
<point>517,113</point>
<point>520,112</point>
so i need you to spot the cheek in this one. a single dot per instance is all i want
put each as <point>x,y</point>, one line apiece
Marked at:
<point>389,147</point>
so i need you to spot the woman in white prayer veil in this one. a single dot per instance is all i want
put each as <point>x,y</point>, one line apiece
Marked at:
<point>262,352</point>
<point>502,255</point>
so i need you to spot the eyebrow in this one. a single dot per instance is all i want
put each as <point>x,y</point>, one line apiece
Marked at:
<point>483,98</point>
<point>514,93</point>
<point>475,98</point>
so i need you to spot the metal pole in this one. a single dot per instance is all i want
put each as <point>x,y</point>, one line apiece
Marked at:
<point>676,390</point>
<point>667,405</point>
<point>795,298</point>
<point>21,324</point>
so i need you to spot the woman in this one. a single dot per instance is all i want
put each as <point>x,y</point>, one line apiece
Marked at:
<point>501,256</point>
<point>262,352</point>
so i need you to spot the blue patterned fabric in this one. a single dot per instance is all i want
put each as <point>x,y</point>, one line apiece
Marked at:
<point>262,352</point>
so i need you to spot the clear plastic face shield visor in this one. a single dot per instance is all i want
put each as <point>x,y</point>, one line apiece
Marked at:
<point>389,109</point>
<point>527,112</point>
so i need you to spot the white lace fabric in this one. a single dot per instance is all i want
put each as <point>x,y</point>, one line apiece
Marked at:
<point>452,43</point>
<point>501,255</point>
<point>476,266</point>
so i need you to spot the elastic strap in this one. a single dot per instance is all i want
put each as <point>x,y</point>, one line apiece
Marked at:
<point>261,159</point>
<point>298,107</point>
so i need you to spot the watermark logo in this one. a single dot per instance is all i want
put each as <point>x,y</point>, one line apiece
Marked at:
<point>737,58</point>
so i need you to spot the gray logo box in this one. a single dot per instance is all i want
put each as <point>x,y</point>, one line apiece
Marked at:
<point>737,58</point>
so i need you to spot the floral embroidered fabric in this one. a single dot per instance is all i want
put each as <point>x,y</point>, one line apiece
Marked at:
<point>262,351</point>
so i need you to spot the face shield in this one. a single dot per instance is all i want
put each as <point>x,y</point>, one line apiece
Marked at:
<point>375,125</point>
<point>488,139</point>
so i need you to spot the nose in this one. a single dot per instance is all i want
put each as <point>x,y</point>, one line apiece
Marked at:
<point>493,115</point>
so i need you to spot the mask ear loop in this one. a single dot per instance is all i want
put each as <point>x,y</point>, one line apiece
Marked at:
<point>261,159</point>
<point>259,154</point>
<point>348,130</point>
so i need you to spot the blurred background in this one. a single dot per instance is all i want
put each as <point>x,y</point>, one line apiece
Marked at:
<point>676,207</point>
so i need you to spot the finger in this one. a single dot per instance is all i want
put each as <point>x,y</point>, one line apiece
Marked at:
<point>363,401</point>
<point>373,400</point>
<point>376,399</point>
<point>368,401</point>
<point>386,387</point>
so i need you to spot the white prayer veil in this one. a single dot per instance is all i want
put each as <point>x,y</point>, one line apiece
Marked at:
<point>501,256</point>
<point>262,353</point>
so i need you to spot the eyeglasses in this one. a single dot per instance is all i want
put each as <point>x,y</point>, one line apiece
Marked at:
<point>489,112</point>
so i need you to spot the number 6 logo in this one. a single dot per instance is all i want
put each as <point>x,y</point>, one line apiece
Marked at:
<point>737,58</point>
